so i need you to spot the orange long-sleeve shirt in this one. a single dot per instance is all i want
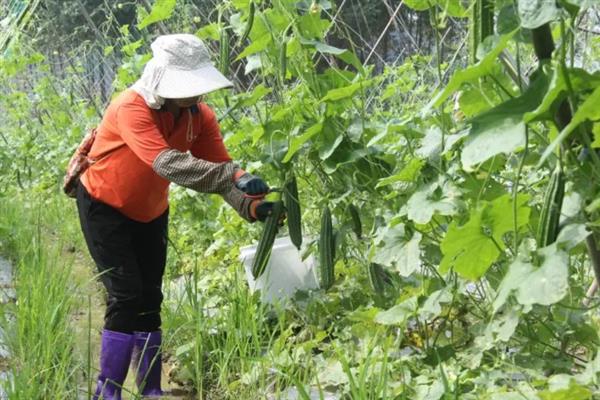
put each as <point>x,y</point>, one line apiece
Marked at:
<point>130,136</point>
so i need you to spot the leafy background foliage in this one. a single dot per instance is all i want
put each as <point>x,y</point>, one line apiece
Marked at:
<point>378,106</point>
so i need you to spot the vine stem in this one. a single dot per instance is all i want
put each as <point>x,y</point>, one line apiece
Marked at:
<point>594,254</point>
<point>521,165</point>
<point>516,192</point>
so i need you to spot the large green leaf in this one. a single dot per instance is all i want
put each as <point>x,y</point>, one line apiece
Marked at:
<point>473,103</point>
<point>582,3</point>
<point>346,153</point>
<point>346,92</point>
<point>430,146</point>
<point>256,46</point>
<point>501,129</point>
<point>500,329</point>
<point>161,10</point>
<point>454,8</point>
<point>210,31</point>
<point>557,91</point>
<point>498,135</point>
<point>571,391</point>
<point>545,284</point>
<point>407,174</point>
<point>331,139</point>
<point>343,54</point>
<point>394,249</point>
<point>535,13</point>
<point>398,314</point>
<point>439,197</point>
<point>419,5</point>
<point>596,133</point>
<point>472,73</point>
<point>298,141</point>
<point>312,26</point>
<point>433,305</point>
<point>257,93</point>
<point>474,246</point>
<point>588,111</point>
<point>496,215</point>
<point>468,248</point>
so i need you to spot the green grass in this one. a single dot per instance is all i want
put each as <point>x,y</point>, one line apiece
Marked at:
<point>39,331</point>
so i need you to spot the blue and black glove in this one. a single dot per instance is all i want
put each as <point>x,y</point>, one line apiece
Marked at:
<point>251,184</point>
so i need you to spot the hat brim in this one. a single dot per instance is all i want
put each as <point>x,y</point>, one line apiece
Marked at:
<point>179,84</point>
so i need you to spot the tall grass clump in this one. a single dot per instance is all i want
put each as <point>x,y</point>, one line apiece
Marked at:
<point>226,330</point>
<point>38,328</point>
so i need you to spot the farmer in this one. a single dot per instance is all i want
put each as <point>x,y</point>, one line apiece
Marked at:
<point>154,133</point>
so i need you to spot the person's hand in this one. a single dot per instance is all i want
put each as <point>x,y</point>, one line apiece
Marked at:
<point>260,210</point>
<point>251,184</point>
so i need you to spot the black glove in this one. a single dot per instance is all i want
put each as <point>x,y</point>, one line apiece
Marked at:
<point>263,209</point>
<point>251,184</point>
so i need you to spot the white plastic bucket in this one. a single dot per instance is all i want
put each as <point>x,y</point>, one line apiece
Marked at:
<point>285,273</point>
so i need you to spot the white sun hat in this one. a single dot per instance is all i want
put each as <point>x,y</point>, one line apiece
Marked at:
<point>180,67</point>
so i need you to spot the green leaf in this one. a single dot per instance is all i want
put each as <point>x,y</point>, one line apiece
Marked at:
<point>253,62</point>
<point>535,13</point>
<point>501,129</point>
<point>430,145</point>
<point>236,23</point>
<point>496,215</point>
<point>473,247</point>
<point>571,235</point>
<point>472,102</point>
<point>407,174</point>
<point>343,54</point>
<point>161,10</point>
<point>331,140</point>
<point>131,48</point>
<point>398,314</point>
<point>393,249</point>
<point>589,110</point>
<point>573,392</point>
<point>467,248</point>
<point>345,154</point>
<point>210,31</point>
<point>419,5</point>
<point>256,46</point>
<point>557,92</point>
<point>596,132</point>
<point>482,68</point>
<point>427,391</point>
<point>332,373</point>
<point>498,135</point>
<point>582,4</point>
<point>257,93</point>
<point>433,305</point>
<point>312,26</point>
<point>545,285</point>
<point>345,92</point>
<point>327,49</point>
<point>437,197</point>
<point>298,141</point>
<point>184,349</point>
<point>499,330</point>
<point>454,8</point>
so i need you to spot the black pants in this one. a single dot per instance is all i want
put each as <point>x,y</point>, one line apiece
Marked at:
<point>131,258</point>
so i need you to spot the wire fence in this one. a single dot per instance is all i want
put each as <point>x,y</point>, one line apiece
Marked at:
<point>95,48</point>
<point>383,34</point>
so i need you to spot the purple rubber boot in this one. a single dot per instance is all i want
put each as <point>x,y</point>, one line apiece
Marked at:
<point>115,355</point>
<point>147,361</point>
